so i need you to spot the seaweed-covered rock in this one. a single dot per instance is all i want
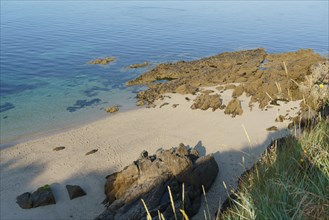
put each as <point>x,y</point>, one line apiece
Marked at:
<point>102,61</point>
<point>138,65</point>
<point>149,177</point>
<point>234,108</point>
<point>41,197</point>
<point>206,101</point>
<point>112,109</point>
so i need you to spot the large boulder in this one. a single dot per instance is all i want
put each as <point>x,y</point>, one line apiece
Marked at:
<point>41,197</point>
<point>148,178</point>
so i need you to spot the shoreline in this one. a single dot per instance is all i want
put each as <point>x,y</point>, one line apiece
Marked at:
<point>120,139</point>
<point>65,128</point>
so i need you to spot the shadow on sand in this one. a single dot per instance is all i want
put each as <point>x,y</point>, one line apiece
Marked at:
<point>89,206</point>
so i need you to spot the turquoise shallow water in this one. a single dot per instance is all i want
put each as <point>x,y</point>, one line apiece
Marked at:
<point>46,84</point>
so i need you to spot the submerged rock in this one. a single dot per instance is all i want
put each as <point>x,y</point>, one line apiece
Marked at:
<point>112,109</point>
<point>6,106</point>
<point>138,65</point>
<point>102,61</point>
<point>41,197</point>
<point>149,177</point>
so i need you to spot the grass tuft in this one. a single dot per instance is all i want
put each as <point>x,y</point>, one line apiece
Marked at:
<point>290,182</point>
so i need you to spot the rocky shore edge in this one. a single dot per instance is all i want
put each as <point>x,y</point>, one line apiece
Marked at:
<point>266,78</point>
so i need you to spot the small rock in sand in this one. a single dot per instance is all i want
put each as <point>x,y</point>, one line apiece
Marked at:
<point>272,128</point>
<point>91,152</point>
<point>59,148</point>
<point>280,118</point>
<point>166,103</point>
<point>175,105</point>
<point>187,99</point>
<point>75,191</point>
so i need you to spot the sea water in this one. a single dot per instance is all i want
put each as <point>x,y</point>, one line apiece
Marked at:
<point>47,85</point>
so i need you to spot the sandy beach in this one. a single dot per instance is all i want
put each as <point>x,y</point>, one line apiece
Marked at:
<point>120,138</point>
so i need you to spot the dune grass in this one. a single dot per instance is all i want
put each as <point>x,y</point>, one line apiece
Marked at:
<point>290,182</point>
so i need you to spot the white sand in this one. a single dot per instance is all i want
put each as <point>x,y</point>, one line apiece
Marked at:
<point>120,138</point>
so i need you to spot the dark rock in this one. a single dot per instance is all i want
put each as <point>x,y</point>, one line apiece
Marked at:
<point>144,154</point>
<point>91,152</point>
<point>166,103</point>
<point>24,201</point>
<point>59,148</point>
<point>275,102</point>
<point>175,105</point>
<point>149,177</point>
<point>41,197</point>
<point>203,172</point>
<point>6,106</point>
<point>79,104</point>
<point>75,191</point>
<point>187,99</point>
<point>272,128</point>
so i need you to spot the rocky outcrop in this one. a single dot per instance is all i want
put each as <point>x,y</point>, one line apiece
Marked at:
<point>102,61</point>
<point>75,191</point>
<point>234,108</point>
<point>261,76</point>
<point>149,177</point>
<point>41,197</point>
<point>206,101</point>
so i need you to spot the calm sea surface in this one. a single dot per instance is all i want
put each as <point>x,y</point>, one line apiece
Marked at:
<point>46,84</point>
